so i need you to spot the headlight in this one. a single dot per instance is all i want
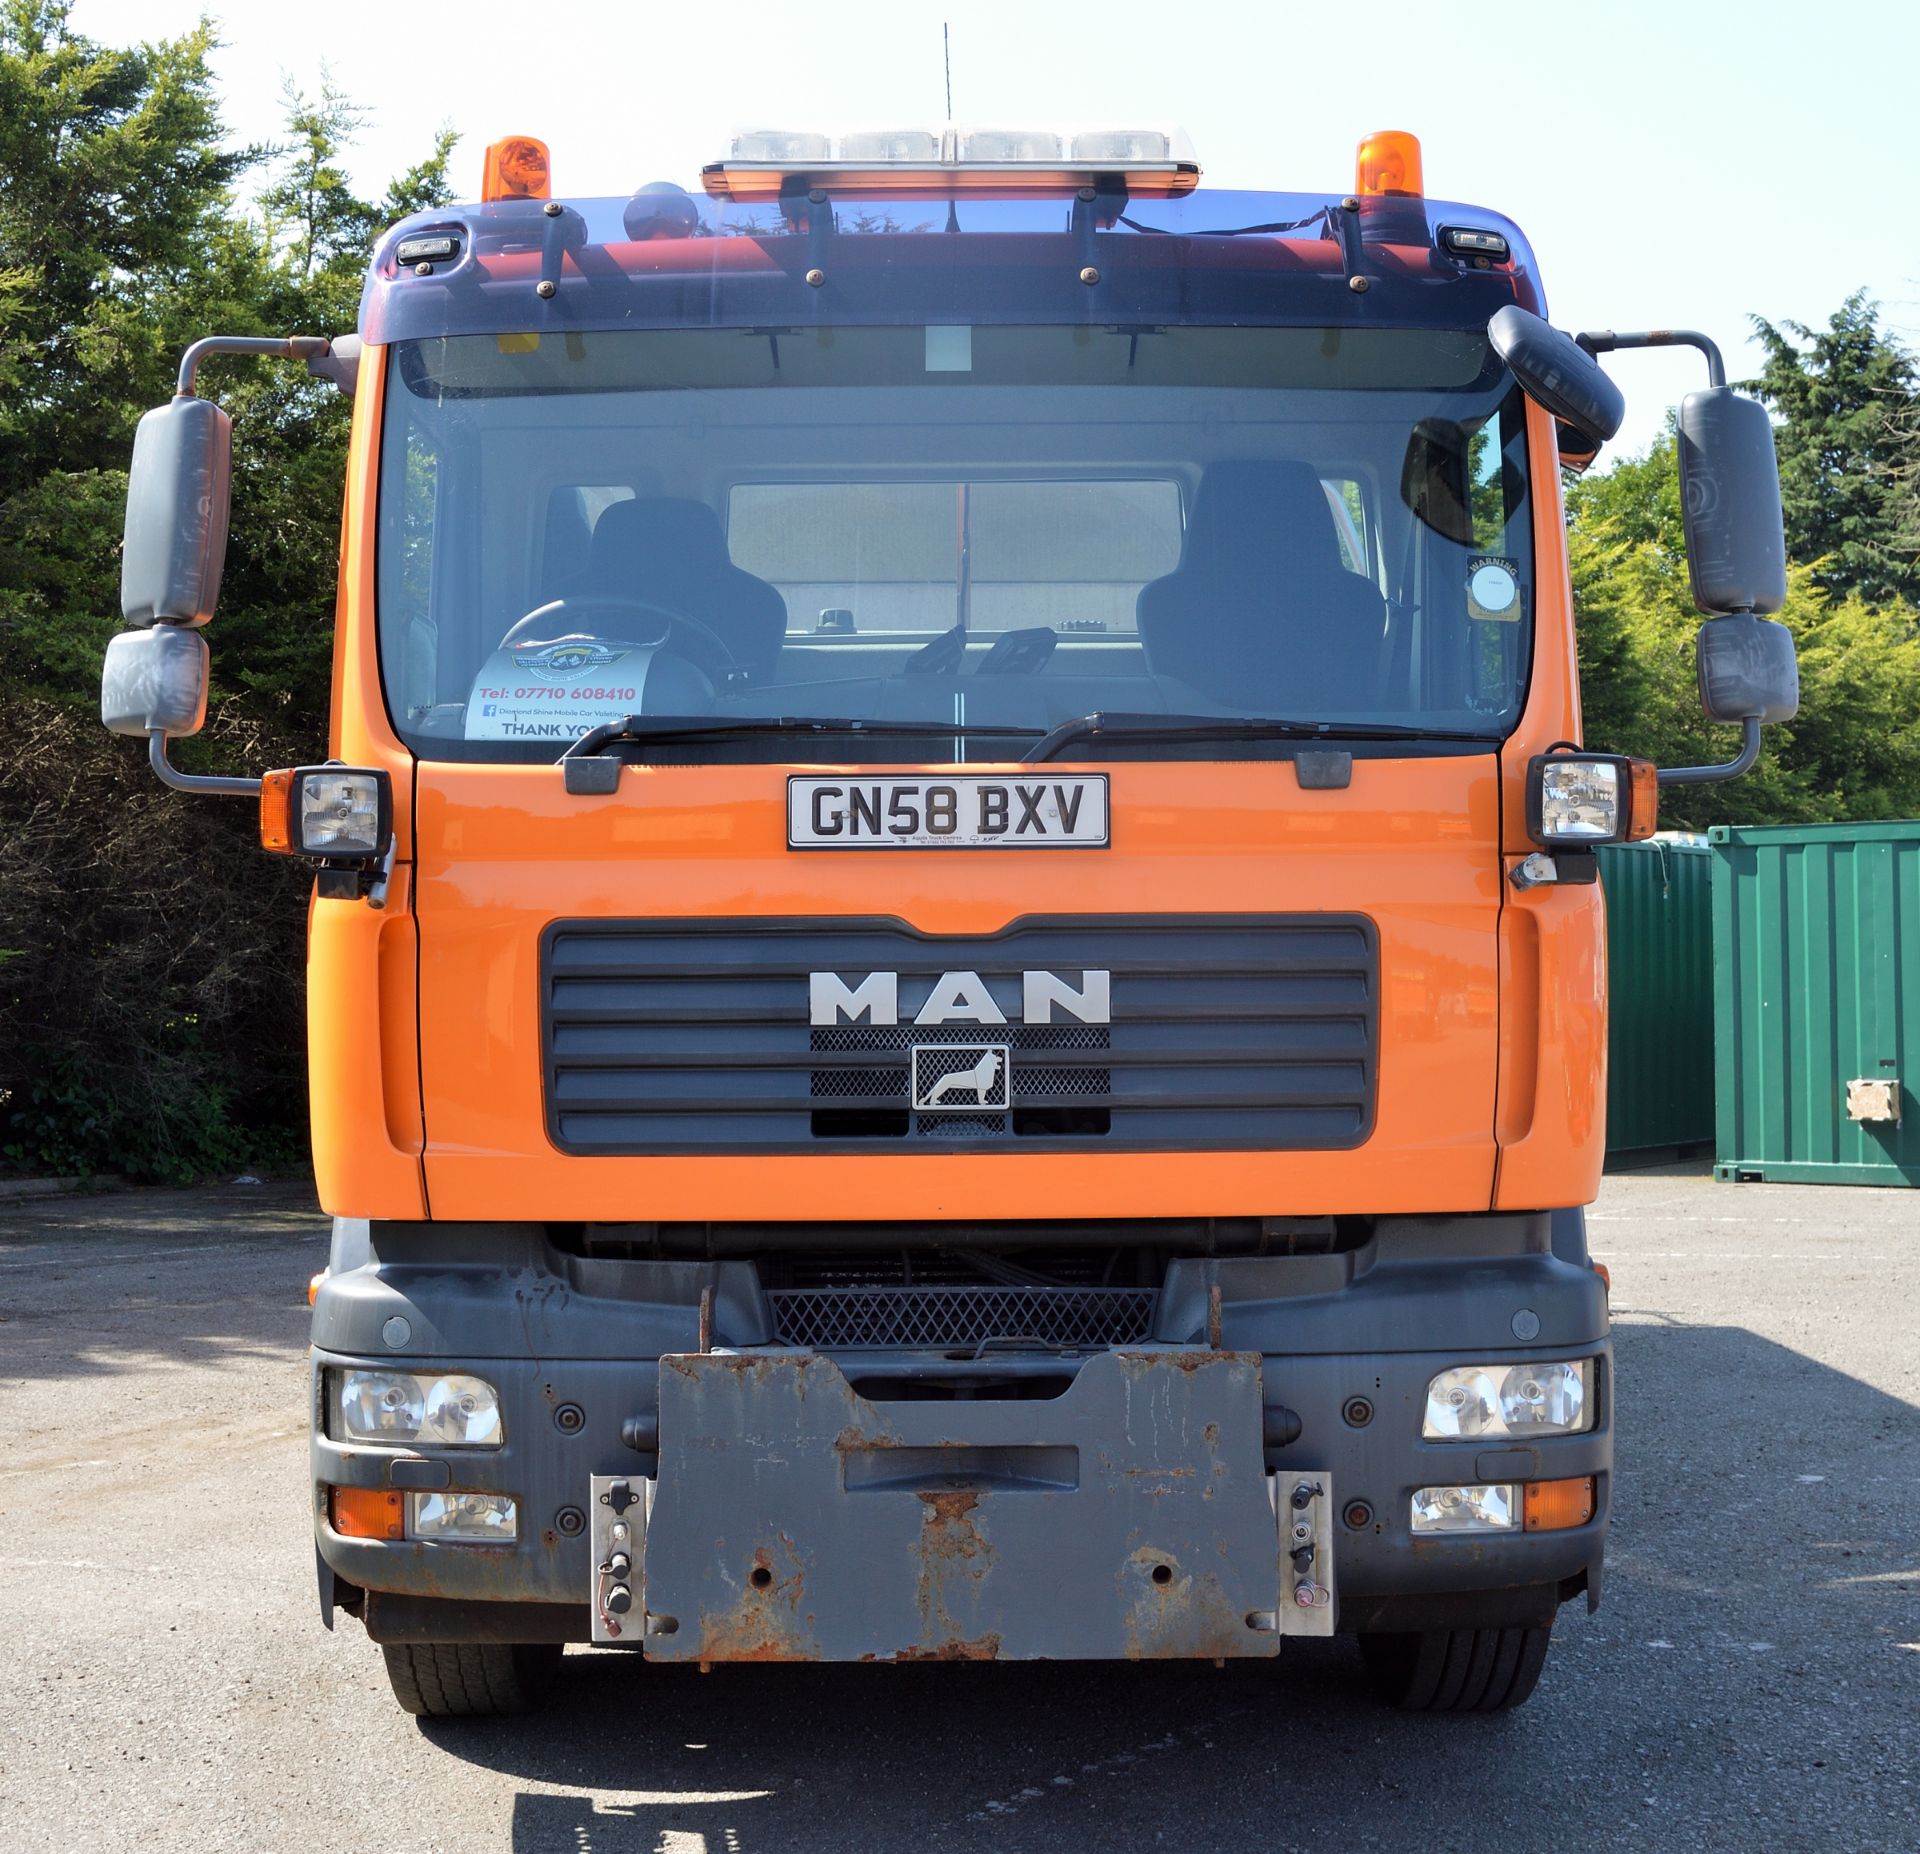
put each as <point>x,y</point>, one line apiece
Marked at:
<point>461,1413</point>
<point>380,1406</point>
<point>340,813</point>
<point>1578,800</point>
<point>398,1407</point>
<point>1467,1509</point>
<point>463,1518</point>
<point>1491,1402</point>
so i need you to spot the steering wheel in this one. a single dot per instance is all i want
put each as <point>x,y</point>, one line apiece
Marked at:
<point>559,617</point>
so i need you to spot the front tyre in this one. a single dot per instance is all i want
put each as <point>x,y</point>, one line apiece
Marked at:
<point>1456,1670</point>
<point>464,1680</point>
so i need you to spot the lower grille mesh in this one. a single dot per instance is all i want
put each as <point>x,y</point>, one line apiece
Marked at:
<point>959,1316</point>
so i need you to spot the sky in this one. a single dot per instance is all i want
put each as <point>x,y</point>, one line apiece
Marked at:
<point>1686,164</point>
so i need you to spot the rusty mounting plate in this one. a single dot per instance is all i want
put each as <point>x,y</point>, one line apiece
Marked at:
<point>1128,1518</point>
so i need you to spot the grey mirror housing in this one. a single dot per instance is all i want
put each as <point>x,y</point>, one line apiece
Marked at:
<point>155,681</point>
<point>1557,372</point>
<point>1730,481</point>
<point>1748,670</point>
<point>178,490</point>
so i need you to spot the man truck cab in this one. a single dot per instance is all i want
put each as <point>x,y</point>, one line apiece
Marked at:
<point>956,988</point>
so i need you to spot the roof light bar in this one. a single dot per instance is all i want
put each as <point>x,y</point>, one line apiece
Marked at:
<point>950,157</point>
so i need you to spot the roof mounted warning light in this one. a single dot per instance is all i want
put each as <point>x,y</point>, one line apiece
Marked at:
<point>950,158</point>
<point>1388,162</point>
<point>517,168</point>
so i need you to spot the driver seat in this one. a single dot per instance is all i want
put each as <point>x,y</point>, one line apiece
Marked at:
<point>671,550</point>
<point>1262,612</point>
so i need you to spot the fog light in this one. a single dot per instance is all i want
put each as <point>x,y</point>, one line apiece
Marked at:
<point>1467,1509</point>
<point>463,1518</point>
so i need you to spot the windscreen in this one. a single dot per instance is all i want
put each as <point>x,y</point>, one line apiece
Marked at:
<point>979,532</point>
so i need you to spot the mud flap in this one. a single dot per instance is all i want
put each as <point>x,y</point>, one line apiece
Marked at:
<point>1129,1518</point>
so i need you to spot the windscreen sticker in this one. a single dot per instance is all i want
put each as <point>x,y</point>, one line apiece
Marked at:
<point>556,691</point>
<point>1493,588</point>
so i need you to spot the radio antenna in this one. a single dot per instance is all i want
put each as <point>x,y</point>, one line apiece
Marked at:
<point>946,58</point>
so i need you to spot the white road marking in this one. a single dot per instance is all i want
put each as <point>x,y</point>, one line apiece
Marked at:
<point>1117,1764</point>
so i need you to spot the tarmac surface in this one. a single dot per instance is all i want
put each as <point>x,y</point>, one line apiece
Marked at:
<point>1751,1682</point>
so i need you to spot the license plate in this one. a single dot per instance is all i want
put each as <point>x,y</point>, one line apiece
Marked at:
<point>962,812</point>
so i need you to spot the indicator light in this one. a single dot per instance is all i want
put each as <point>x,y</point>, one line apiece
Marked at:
<point>366,1513</point>
<point>1553,1506</point>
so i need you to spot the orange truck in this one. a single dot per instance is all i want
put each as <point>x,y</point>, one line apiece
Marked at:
<point>955,982</point>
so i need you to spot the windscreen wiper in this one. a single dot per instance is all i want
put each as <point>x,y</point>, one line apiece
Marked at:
<point>1230,727</point>
<point>590,769</point>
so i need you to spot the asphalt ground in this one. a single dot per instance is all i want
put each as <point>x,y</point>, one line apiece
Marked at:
<point>1752,1681</point>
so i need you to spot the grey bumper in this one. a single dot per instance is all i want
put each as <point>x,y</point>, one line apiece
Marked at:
<point>1318,1335</point>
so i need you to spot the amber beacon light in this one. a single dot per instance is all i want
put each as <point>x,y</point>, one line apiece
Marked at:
<point>518,168</point>
<point>1388,162</point>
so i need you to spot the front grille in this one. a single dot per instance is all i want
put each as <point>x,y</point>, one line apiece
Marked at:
<point>951,1317</point>
<point>1233,1032</point>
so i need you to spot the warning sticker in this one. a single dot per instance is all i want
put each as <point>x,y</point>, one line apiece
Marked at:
<point>1493,588</point>
<point>556,691</point>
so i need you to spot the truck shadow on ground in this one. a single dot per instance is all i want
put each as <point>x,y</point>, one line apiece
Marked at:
<point>1014,1755</point>
<point>87,1291</point>
<point>1749,1682</point>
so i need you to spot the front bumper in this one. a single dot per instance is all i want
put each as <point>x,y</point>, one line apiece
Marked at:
<point>933,1526</point>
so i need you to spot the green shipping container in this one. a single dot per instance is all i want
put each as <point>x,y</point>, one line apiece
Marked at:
<point>1659,995</point>
<point>1816,973</point>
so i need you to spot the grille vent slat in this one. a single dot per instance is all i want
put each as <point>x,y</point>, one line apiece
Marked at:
<point>1228,1033</point>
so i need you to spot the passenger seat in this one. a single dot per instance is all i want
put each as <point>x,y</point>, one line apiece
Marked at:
<point>1261,614</point>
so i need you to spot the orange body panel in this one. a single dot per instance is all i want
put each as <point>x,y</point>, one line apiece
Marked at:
<point>1553,998</point>
<point>1492,1023</point>
<point>363,1061</point>
<point>505,849</point>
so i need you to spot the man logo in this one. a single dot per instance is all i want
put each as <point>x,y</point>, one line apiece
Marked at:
<point>962,1077</point>
<point>957,998</point>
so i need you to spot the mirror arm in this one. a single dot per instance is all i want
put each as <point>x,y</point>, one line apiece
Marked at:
<point>282,347</point>
<point>168,774</point>
<point>1605,341</point>
<point>1742,762</point>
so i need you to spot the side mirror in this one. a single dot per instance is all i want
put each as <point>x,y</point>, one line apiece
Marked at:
<point>1730,478</point>
<point>178,491</point>
<point>155,681</point>
<point>1557,372</point>
<point>1748,670</point>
